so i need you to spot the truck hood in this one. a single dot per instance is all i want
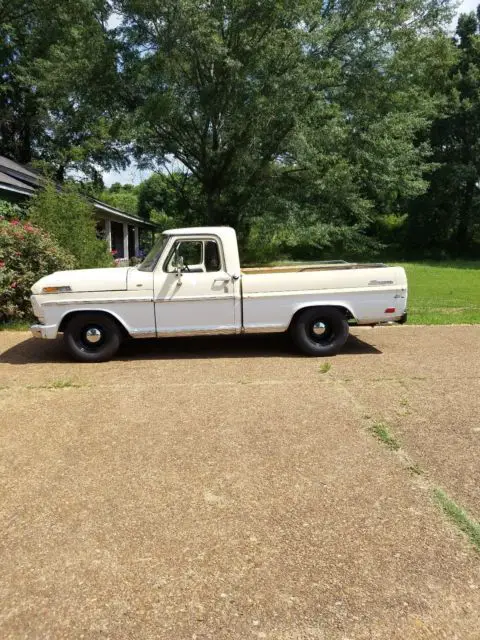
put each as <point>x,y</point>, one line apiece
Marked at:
<point>114,279</point>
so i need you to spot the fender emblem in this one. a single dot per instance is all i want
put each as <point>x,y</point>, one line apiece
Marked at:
<point>379,283</point>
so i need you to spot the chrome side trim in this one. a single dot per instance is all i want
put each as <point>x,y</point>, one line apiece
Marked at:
<point>271,328</point>
<point>171,333</point>
<point>141,333</point>
<point>377,320</point>
<point>95,301</point>
<point>318,292</point>
<point>194,299</point>
<point>101,301</point>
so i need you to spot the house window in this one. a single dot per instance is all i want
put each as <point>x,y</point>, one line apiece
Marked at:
<point>131,241</point>
<point>117,239</point>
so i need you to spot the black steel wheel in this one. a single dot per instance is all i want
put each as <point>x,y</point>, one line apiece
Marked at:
<point>320,331</point>
<point>92,337</point>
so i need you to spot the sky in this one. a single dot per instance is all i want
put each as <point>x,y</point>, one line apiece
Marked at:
<point>132,175</point>
<point>468,5</point>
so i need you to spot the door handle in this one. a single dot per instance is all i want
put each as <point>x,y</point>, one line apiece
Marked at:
<point>222,280</point>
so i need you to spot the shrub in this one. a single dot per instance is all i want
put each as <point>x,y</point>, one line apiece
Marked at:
<point>68,217</point>
<point>26,254</point>
<point>12,211</point>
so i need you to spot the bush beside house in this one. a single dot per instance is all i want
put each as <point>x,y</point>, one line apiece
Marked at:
<point>12,211</point>
<point>68,218</point>
<point>55,231</point>
<point>26,254</point>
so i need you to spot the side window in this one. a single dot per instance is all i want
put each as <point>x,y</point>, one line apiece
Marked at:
<point>198,256</point>
<point>192,253</point>
<point>212,256</point>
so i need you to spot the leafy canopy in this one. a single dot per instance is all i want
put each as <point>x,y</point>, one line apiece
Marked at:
<point>446,220</point>
<point>59,83</point>
<point>301,111</point>
<point>123,197</point>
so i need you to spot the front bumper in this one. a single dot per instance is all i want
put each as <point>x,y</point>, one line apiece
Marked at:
<point>47,331</point>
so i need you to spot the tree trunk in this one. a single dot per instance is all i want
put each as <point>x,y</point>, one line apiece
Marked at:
<point>211,209</point>
<point>463,233</point>
<point>25,149</point>
<point>60,174</point>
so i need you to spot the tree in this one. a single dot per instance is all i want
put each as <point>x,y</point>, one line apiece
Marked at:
<point>123,197</point>
<point>59,75</point>
<point>171,199</point>
<point>239,92</point>
<point>344,176</point>
<point>68,218</point>
<point>446,220</point>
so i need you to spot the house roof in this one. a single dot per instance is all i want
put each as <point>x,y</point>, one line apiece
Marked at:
<point>9,183</point>
<point>29,177</point>
<point>116,213</point>
<point>18,178</point>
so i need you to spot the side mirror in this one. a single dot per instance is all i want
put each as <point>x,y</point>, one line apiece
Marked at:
<point>179,264</point>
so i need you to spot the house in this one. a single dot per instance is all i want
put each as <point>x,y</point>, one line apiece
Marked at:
<point>121,230</point>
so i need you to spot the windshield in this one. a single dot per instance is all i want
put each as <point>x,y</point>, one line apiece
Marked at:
<point>154,254</point>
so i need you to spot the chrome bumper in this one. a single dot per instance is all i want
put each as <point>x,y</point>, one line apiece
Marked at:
<point>49,332</point>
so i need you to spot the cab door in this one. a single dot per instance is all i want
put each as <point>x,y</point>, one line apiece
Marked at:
<point>193,293</point>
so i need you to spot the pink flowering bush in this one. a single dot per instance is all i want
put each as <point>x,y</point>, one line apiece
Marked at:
<point>26,254</point>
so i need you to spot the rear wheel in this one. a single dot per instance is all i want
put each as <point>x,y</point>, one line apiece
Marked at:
<point>92,337</point>
<point>321,331</point>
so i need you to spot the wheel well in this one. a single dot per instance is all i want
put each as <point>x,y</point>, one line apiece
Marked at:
<point>348,314</point>
<point>68,316</point>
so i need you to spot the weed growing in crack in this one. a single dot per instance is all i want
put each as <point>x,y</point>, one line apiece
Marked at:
<point>57,384</point>
<point>459,517</point>
<point>382,433</point>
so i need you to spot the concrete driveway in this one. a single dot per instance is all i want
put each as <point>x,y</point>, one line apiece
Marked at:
<point>226,488</point>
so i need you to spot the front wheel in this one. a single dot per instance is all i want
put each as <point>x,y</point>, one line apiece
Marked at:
<point>92,337</point>
<point>321,331</point>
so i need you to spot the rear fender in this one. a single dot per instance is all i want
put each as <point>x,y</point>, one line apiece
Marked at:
<point>341,305</point>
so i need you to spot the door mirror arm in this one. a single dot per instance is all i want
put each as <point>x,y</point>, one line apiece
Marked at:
<point>179,264</point>
<point>178,273</point>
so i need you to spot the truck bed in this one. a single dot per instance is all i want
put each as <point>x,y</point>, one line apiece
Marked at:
<point>272,295</point>
<point>319,266</point>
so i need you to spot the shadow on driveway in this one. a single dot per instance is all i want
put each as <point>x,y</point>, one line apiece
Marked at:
<point>252,346</point>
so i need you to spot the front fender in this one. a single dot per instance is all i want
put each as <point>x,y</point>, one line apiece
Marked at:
<point>70,312</point>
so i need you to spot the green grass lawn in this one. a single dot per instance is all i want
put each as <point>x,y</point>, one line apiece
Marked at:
<point>15,326</point>
<point>443,292</point>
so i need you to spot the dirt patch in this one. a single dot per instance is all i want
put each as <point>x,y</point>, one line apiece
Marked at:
<point>426,386</point>
<point>232,494</point>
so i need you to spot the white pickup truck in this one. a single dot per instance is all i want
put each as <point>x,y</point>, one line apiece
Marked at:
<point>191,283</point>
